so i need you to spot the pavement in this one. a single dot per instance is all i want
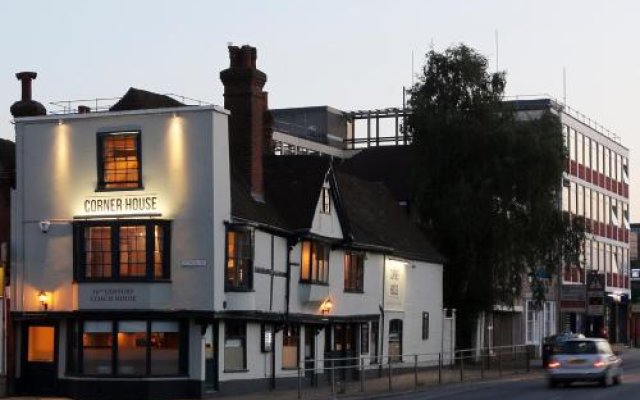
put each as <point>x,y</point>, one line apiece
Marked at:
<point>375,387</point>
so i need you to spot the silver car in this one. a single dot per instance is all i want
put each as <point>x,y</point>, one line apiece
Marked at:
<point>584,359</point>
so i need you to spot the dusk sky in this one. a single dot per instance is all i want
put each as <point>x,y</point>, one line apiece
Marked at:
<point>346,54</point>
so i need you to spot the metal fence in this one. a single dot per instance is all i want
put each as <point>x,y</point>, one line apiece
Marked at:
<point>389,373</point>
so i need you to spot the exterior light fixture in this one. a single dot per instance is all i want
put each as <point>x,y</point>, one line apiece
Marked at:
<point>326,306</point>
<point>44,226</point>
<point>43,297</point>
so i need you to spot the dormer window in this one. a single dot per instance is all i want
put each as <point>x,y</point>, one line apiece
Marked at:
<point>325,206</point>
<point>119,166</point>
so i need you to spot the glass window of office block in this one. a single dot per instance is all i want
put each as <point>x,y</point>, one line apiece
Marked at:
<point>580,199</point>
<point>587,152</point>
<point>565,136</point>
<point>594,205</point>
<point>572,144</point>
<point>580,149</point>
<point>600,158</point>
<point>607,161</point>
<point>607,210</point>
<point>601,262</point>
<point>587,203</point>
<point>572,197</point>
<point>625,170</point>
<point>565,197</point>
<point>594,155</point>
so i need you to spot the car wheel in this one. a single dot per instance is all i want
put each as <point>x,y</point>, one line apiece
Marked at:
<point>552,383</point>
<point>607,379</point>
<point>617,379</point>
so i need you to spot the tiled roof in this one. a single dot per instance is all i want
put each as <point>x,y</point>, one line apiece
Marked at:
<point>387,164</point>
<point>137,99</point>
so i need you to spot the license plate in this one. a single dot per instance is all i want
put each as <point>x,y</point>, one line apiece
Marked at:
<point>577,361</point>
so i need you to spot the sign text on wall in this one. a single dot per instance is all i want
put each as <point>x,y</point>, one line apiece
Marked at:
<point>127,204</point>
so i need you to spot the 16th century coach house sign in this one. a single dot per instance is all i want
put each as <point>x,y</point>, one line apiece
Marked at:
<point>141,204</point>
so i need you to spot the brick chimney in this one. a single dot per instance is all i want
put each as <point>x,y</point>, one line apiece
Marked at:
<point>27,107</point>
<point>250,120</point>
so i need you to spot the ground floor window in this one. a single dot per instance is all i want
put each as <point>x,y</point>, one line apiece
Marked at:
<point>235,345</point>
<point>290,344</point>
<point>128,348</point>
<point>541,321</point>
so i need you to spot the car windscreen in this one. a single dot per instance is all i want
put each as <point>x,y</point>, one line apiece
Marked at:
<point>577,347</point>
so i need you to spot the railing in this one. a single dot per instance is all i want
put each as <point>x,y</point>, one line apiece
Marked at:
<point>105,103</point>
<point>390,373</point>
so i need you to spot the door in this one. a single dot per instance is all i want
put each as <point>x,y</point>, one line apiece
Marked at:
<point>310,352</point>
<point>211,358</point>
<point>395,340</point>
<point>39,360</point>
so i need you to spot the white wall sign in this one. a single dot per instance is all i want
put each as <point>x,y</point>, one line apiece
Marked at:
<point>194,263</point>
<point>123,204</point>
<point>112,295</point>
<point>394,285</point>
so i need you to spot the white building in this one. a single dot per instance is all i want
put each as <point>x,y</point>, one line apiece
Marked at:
<point>157,252</point>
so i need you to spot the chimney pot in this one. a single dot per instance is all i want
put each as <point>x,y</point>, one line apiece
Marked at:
<point>26,77</point>
<point>26,107</point>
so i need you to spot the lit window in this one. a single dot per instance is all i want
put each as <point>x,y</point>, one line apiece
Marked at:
<point>119,161</point>
<point>239,271</point>
<point>353,272</point>
<point>315,262</point>
<point>290,343</point>
<point>134,353</point>
<point>122,250</point>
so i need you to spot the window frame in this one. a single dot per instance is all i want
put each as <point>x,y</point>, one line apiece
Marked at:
<point>314,267</point>
<point>358,285</point>
<point>325,200</point>
<point>100,140</point>
<point>78,329</point>
<point>79,251</point>
<point>248,285</point>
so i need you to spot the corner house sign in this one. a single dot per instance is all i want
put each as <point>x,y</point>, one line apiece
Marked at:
<point>130,204</point>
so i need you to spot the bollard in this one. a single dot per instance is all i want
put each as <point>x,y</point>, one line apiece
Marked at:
<point>333,377</point>
<point>362,374</point>
<point>415,372</point>
<point>299,382</point>
<point>481,365</point>
<point>439,368</point>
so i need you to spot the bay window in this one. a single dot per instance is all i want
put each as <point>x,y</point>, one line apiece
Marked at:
<point>122,250</point>
<point>315,262</point>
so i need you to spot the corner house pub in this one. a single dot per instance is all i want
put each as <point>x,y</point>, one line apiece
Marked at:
<point>161,250</point>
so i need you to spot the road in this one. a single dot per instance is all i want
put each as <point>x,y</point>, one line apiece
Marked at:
<point>534,388</point>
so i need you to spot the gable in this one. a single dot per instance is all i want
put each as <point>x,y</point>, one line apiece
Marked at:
<point>325,218</point>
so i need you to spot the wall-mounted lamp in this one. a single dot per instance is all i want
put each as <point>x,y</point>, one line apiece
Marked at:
<point>44,226</point>
<point>326,306</point>
<point>43,297</point>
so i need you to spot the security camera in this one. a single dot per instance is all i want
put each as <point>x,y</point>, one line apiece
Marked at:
<point>44,226</point>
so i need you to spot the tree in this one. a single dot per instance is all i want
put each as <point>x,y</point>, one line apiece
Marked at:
<point>487,186</point>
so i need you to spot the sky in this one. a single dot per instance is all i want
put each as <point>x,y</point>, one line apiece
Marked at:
<point>349,54</point>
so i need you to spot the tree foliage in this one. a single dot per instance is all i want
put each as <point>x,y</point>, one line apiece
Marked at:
<point>487,184</point>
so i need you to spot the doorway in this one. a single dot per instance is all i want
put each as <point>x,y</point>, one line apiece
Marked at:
<point>310,332</point>
<point>211,358</point>
<point>39,359</point>
<point>395,340</point>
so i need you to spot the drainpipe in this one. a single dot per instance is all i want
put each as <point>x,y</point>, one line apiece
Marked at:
<point>384,272</point>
